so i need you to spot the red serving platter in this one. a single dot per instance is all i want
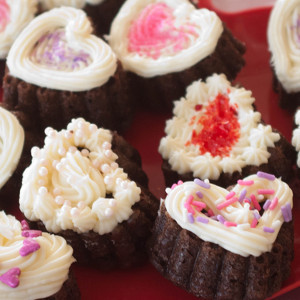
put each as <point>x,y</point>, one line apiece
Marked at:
<point>145,133</point>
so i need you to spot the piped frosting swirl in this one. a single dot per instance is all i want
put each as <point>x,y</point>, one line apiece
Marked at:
<point>49,4</point>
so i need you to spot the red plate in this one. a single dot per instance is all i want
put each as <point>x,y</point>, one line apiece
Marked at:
<point>145,282</point>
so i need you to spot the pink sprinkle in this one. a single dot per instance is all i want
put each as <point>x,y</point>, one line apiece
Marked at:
<point>255,203</point>
<point>230,195</point>
<point>11,277</point>
<point>247,201</point>
<point>180,182</point>
<point>188,206</point>
<point>227,203</point>
<point>245,182</point>
<point>273,203</point>
<point>199,204</point>
<point>230,224</point>
<point>265,192</point>
<point>254,223</point>
<point>173,186</point>
<point>29,246</point>
<point>210,213</point>
<point>31,233</point>
<point>25,225</point>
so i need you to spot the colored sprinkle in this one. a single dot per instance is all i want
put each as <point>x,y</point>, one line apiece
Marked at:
<point>268,176</point>
<point>199,194</point>
<point>256,215</point>
<point>190,218</point>
<point>230,224</point>
<point>254,223</point>
<point>242,195</point>
<point>227,203</point>
<point>267,204</point>
<point>268,229</point>
<point>25,225</point>
<point>245,182</point>
<point>255,203</point>
<point>221,219</point>
<point>173,186</point>
<point>188,206</point>
<point>265,192</point>
<point>180,182</point>
<point>202,220</point>
<point>31,233</point>
<point>199,204</point>
<point>210,213</point>
<point>202,183</point>
<point>273,203</point>
<point>247,200</point>
<point>230,195</point>
<point>286,212</point>
<point>29,246</point>
<point>215,218</point>
<point>11,277</point>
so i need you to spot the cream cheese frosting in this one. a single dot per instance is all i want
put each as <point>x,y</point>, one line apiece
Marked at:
<point>157,37</point>
<point>41,272</point>
<point>11,144</point>
<point>233,219</point>
<point>284,43</point>
<point>49,4</point>
<point>75,183</point>
<point>296,136</point>
<point>14,16</point>
<point>57,50</point>
<point>215,129</point>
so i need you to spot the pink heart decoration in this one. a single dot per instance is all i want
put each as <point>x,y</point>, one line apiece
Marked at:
<point>31,233</point>
<point>25,225</point>
<point>11,277</point>
<point>29,246</point>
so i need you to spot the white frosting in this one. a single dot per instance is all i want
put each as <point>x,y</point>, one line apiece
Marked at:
<point>249,149</point>
<point>66,188</point>
<point>43,272</point>
<point>296,136</point>
<point>49,4</point>
<point>284,43</point>
<point>11,144</point>
<point>52,62</point>
<point>15,15</point>
<point>201,39</point>
<point>240,239</point>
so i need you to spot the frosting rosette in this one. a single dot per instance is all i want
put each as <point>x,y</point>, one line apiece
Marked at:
<point>157,37</point>
<point>14,16</point>
<point>215,129</point>
<point>74,182</point>
<point>34,265</point>
<point>57,50</point>
<point>49,4</point>
<point>245,220</point>
<point>11,144</point>
<point>296,136</point>
<point>284,43</point>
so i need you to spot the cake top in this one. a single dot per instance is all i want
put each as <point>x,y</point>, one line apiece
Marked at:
<point>157,37</point>
<point>75,183</point>
<point>14,16</point>
<point>34,264</point>
<point>57,50</point>
<point>12,142</point>
<point>49,4</point>
<point>284,43</point>
<point>245,220</point>
<point>215,129</point>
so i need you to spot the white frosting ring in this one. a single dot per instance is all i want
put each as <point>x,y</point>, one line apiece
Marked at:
<point>11,144</point>
<point>241,239</point>
<point>49,4</point>
<point>43,272</point>
<point>250,149</point>
<point>284,43</point>
<point>296,136</point>
<point>20,14</point>
<point>66,188</point>
<point>78,35</point>
<point>206,24</point>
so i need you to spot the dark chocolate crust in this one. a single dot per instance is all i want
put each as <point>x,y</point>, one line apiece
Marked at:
<point>280,164</point>
<point>107,106</point>
<point>125,246</point>
<point>158,93</point>
<point>207,270</point>
<point>2,68</point>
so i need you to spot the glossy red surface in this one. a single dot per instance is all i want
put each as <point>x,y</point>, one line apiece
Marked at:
<point>145,282</point>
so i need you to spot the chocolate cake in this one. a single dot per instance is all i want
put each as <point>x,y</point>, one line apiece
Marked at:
<point>220,244</point>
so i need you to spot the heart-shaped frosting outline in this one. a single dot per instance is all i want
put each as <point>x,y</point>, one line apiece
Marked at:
<point>79,36</point>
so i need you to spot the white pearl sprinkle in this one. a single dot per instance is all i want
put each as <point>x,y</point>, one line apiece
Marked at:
<point>67,203</point>
<point>43,190</point>
<point>54,163</point>
<point>79,133</point>
<point>74,211</point>
<point>44,162</point>
<point>81,124</point>
<point>114,165</point>
<point>59,200</point>
<point>105,168</point>
<point>81,205</point>
<point>57,191</point>
<point>108,153</point>
<point>59,166</point>
<point>168,190</point>
<point>260,197</point>
<point>112,202</point>
<point>96,164</point>
<point>85,152</point>
<point>106,146</point>
<point>118,181</point>
<point>206,180</point>
<point>48,130</point>
<point>93,128</point>
<point>43,171</point>
<point>62,151</point>
<point>72,149</point>
<point>68,135</point>
<point>35,152</point>
<point>124,185</point>
<point>41,182</point>
<point>108,180</point>
<point>108,212</point>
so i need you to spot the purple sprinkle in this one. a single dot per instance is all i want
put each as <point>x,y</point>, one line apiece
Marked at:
<point>202,183</point>
<point>221,219</point>
<point>268,176</point>
<point>284,213</point>
<point>267,204</point>
<point>199,194</point>
<point>190,218</point>
<point>268,229</point>
<point>289,211</point>
<point>215,218</point>
<point>202,220</point>
<point>256,215</point>
<point>242,195</point>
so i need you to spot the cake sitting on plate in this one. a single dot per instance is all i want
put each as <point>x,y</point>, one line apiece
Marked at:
<point>217,134</point>
<point>226,244</point>
<point>167,44</point>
